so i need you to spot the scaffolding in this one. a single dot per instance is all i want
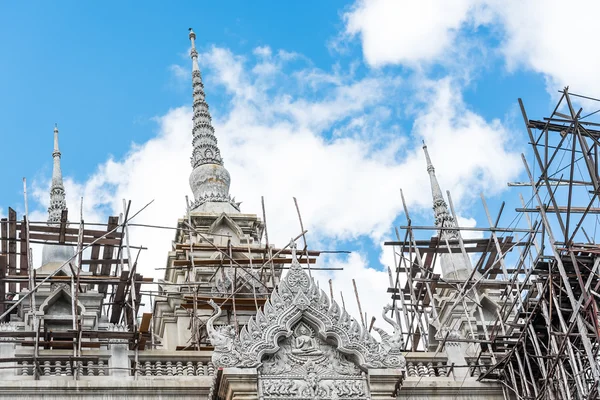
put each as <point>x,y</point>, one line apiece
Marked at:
<point>107,269</point>
<point>105,262</point>
<point>541,271</point>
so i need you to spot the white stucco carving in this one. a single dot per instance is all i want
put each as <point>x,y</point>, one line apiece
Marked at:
<point>298,298</point>
<point>308,367</point>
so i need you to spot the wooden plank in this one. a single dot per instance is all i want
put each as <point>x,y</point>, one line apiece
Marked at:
<point>12,247</point>
<point>138,287</point>
<point>104,262</point>
<point>3,263</point>
<point>435,240</point>
<point>119,300</point>
<point>241,303</point>
<point>4,236</point>
<point>62,230</point>
<point>242,261</point>
<point>136,306</point>
<point>238,307</point>
<point>94,257</point>
<point>83,279</point>
<point>59,344</point>
<point>72,239</point>
<point>24,259</point>
<point>3,260</point>
<point>72,231</point>
<point>108,252</point>
<point>145,324</point>
<point>239,249</point>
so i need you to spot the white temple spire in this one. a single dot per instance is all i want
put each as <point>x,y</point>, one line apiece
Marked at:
<point>57,189</point>
<point>443,218</point>
<point>454,265</point>
<point>209,179</point>
<point>53,256</point>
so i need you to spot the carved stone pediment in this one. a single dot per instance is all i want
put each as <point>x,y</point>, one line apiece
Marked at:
<point>298,298</point>
<point>306,367</point>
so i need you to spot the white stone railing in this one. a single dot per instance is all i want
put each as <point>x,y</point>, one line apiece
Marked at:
<point>426,364</point>
<point>172,363</point>
<point>479,366</point>
<point>174,368</point>
<point>152,363</point>
<point>66,368</point>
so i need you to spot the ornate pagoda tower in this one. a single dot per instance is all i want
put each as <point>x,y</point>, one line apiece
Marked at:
<point>217,247</point>
<point>54,302</point>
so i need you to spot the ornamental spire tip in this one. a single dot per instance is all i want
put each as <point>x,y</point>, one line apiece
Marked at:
<point>209,179</point>
<point>440,208</point>
<point>57,189</point>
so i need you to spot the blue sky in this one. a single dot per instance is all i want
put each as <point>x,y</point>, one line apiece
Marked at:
<point>327,101</point>
<point>101,71</point>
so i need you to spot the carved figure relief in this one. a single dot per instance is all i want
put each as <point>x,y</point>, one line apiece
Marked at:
<point>305,367</point>
<point>305,343</point>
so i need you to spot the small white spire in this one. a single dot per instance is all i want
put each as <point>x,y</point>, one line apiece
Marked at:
<point>453,265</point>
<point>56,150</point>
<point>443,218</point>
<point>54,256</point>
<point>57,189</point>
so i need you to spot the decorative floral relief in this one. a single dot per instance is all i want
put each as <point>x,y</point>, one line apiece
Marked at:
<point>215,198</point>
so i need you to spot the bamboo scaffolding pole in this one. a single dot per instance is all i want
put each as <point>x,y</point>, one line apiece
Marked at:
<point>75,289</point>
<point>52,274</point>
<point>267,247</point>
<point>32,300</point>
<point>303,236</point>
<point>362,318</point>
<point>575,304</point>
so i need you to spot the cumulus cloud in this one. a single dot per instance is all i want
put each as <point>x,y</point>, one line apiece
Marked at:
<point>536,35</point>
<point>466,137</point>
<point>408,32</point>
<point>540,36</point>
<point>281,140</point>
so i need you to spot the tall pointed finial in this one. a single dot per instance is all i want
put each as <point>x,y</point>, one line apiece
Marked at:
<point>209,179</point>
<point>56,150</point>
<point>205,142</point>
<point>54,256</point>
<point>57,189</point>
<point>443,218</point>
<point>453,265</point>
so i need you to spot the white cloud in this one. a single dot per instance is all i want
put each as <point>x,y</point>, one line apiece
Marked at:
<point>464,146</point>
<point>179,72</point>
<point>408,32</point>
<point>371,285</point>
<point>548,37</point>
<point>553,38</point>
<point>263,51</point>
<point>278,143</point>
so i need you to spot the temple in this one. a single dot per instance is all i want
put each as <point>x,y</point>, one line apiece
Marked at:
<point>508,314</point>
